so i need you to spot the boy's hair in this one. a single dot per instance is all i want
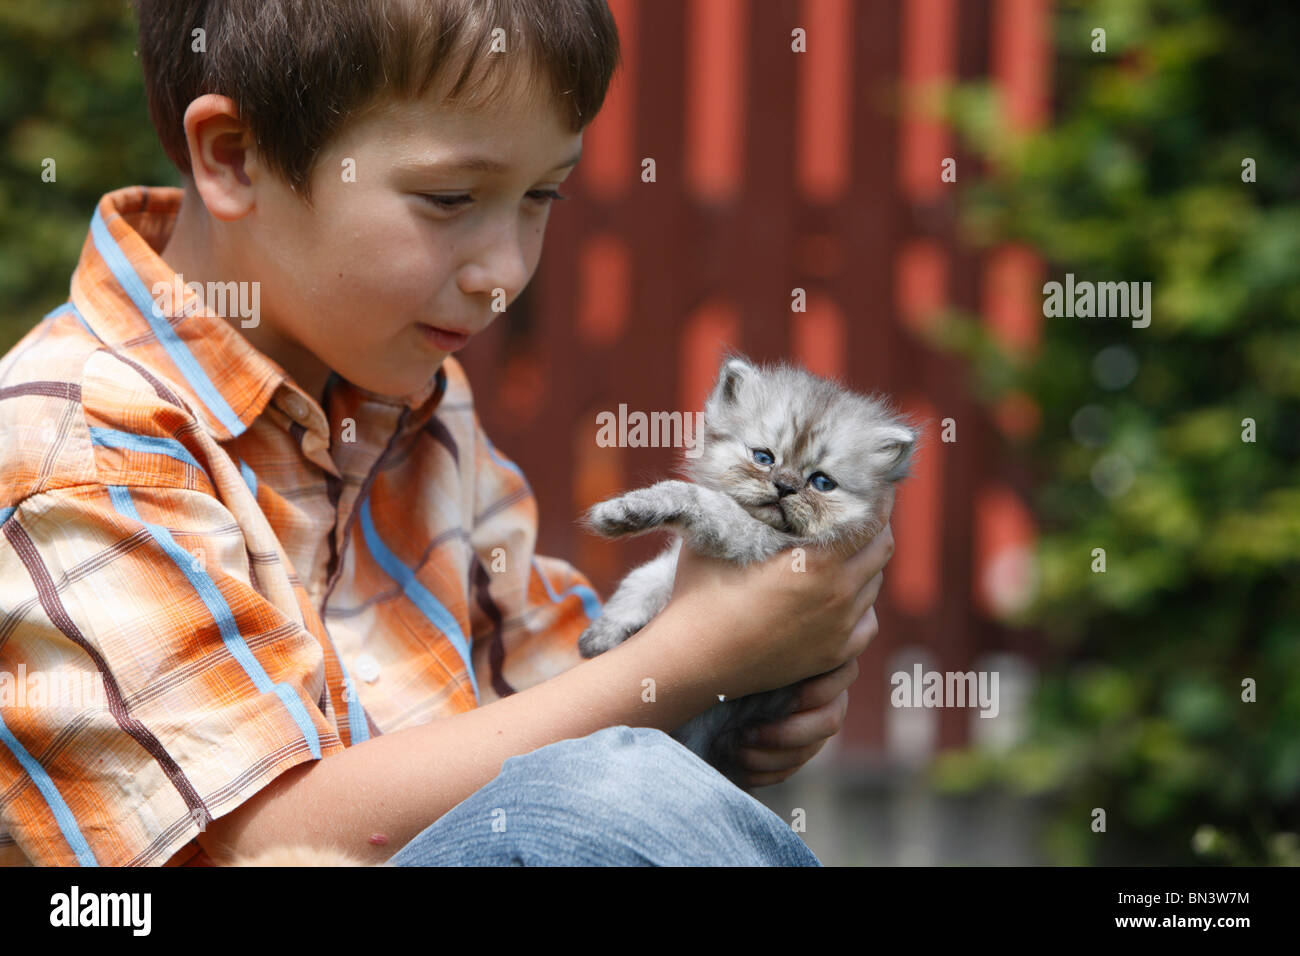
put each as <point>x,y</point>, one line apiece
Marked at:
<point>297,69</point>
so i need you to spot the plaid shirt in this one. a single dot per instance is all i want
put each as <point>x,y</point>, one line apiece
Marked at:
<point>208,577</point>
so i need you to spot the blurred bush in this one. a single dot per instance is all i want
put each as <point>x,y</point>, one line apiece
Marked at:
<point>71,92</point>
<point>1141,448</point>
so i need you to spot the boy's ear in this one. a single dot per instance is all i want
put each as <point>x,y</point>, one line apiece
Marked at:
<point>222,156</point>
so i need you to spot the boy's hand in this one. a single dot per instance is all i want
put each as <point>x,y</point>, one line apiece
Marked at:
<point>772,751</point>
<point>774,623</point>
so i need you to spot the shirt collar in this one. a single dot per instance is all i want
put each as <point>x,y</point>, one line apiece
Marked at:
<point>225,380</point>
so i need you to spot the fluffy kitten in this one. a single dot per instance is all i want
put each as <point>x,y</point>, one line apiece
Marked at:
<point>787,458</point>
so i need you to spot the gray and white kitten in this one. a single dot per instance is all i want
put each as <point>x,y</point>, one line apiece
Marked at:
<point>786,459</point>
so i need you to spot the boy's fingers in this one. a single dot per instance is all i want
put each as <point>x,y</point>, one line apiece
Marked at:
<point>768,779</point>
<point>864,632</point>
<point>824,688</point>
<point>800,729</point>
<point>764,760</point>
<point>873,558</point>
<point>865,602</point>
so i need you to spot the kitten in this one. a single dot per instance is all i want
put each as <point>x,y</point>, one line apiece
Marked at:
<point>787,458</point>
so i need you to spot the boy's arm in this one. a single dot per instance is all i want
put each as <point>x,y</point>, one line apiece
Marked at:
<point>428,769</point>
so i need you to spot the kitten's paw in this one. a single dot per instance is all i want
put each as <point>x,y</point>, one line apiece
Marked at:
<point>626,514</point>
<point>667,503</point>
<point>605,633</point>
<point>609,518</point>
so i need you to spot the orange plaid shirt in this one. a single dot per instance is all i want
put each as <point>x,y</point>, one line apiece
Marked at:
<point>222,577</point>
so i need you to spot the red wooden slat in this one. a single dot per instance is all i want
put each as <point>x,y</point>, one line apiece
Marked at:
<point>717,75</point>
<point>604,284</point>
<point>1022,59</point>
<point>825,98</point>
<point>922,287</point>
<point>1004,529</point>
<point>929,41</point>
<point>709,330</point>
<point>819,338</point>
<point>1013,302</point>
<point>607,148</point>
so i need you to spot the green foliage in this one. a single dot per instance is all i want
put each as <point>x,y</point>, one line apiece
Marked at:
<point>71,91</point>
<point>1139,178</point>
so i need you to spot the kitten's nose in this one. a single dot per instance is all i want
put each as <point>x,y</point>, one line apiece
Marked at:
<point>782,489</point>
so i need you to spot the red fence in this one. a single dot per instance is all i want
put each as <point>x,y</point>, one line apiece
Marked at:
<point>778,170</point>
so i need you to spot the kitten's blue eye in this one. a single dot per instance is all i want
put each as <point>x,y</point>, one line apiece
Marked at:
<point>822,482</point>
<point>762,456</point>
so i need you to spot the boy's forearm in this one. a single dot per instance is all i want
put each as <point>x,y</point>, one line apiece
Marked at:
<point>397,784</point>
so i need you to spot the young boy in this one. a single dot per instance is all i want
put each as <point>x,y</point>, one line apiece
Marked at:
<point>261,513</point>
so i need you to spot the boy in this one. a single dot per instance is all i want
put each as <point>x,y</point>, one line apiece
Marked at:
<point>275,533</point>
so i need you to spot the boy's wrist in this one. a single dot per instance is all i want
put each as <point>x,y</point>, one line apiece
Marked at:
<point>676,654</point>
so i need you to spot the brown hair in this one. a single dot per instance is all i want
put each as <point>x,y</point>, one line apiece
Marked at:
<point>297,69</point>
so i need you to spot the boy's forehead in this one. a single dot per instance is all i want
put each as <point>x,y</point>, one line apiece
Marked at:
<point>509,129</point>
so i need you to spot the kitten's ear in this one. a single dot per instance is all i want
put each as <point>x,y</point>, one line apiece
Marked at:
<point>893,453</point>
<point>735,368</point>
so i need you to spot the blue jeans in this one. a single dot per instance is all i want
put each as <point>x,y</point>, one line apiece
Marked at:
<point>622,796</point>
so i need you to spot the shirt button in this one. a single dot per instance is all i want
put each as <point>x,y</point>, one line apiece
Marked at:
<point>367,668</point>
<point>295,407</point>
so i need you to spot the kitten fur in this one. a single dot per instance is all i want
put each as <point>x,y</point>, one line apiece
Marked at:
<point>738,506</point>
<point>297,856</point>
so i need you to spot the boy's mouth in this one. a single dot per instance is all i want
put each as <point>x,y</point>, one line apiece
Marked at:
<point>445,340</point>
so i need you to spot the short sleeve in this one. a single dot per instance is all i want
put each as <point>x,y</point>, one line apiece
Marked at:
<point>147,686</point>
<point>526,610</point>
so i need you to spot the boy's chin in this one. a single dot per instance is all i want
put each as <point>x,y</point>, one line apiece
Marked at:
<point>393,387</point>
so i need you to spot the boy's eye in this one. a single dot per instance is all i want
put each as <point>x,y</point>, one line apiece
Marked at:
<point>822,482</point>
<point>543,196</point>
<point>445,202</point>
<point>762,456</point>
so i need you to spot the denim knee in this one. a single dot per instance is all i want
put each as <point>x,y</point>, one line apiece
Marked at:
<point>636,795</point>
<point>621,796</point>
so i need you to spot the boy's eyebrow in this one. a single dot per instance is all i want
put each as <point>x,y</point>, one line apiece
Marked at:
<point>485,164</point>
